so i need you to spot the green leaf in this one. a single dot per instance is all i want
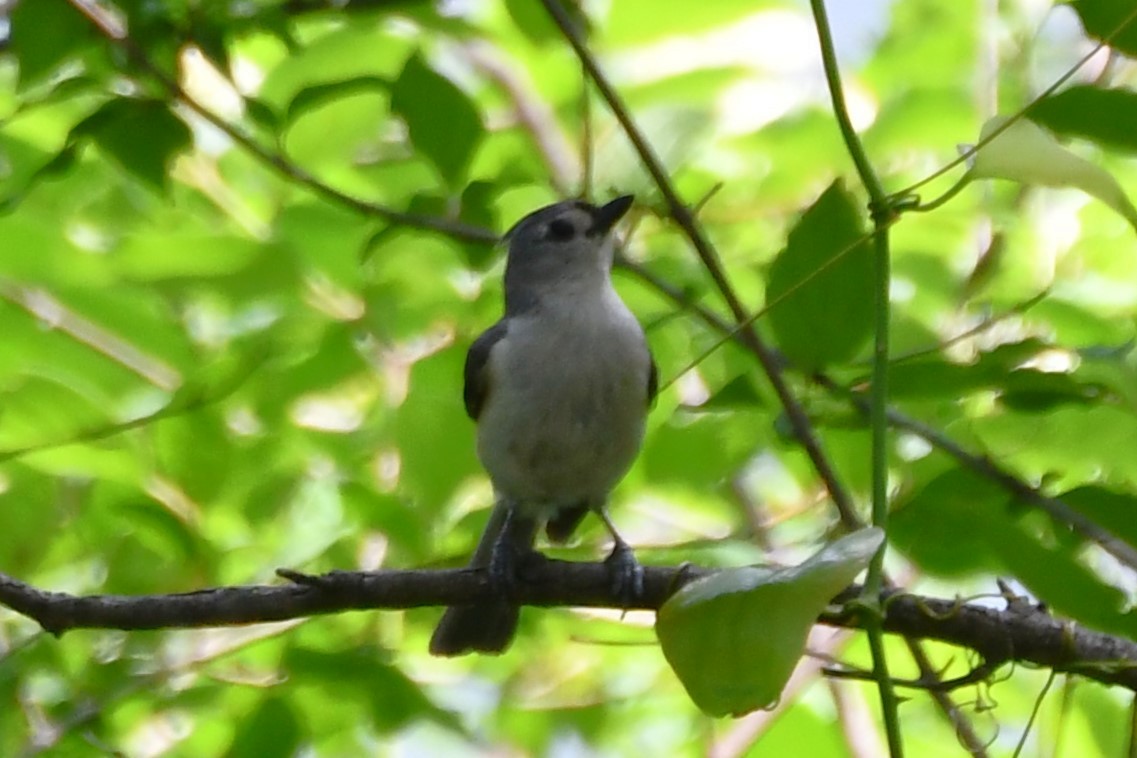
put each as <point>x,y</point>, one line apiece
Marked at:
<point>1025,153</point>
<point>734,638</point>
<point>394,699</point>
<point>936,528</point>
<point>1116,511</point>
<point>1103,19</point>
<point>45,33</point>
<point>739,392</point>
<point>1079,442</point>
<point>40,409</point>
<point>536,24</point>
<point>263,115</point>
<point>960,523</point>
<point>194,450</point>
<point>316,95</point>
<point>324,237</point>
<point>442,123</point>
<point>1060,580</point>
<point>272,730</point>
<point>141,136</point>
<point>701,449</point>
<point>477,209</point>
<point>155,256</point>
<point>1105,116</point>
<point>820,286</point>
<point>54,167</point>
<point>1033,390</point>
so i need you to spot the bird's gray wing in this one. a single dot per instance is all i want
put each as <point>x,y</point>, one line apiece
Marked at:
<point>652,379</point>
<point>477,384</point>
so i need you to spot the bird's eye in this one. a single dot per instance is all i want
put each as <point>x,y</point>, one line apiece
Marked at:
<point>561,230</point>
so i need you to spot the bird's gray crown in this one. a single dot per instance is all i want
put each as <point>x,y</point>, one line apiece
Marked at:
<point>568,218</point>
<point>557,245</point>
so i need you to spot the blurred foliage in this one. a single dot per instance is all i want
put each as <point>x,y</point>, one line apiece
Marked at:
<point>212,367</point>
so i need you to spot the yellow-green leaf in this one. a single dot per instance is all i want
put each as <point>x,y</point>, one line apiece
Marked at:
<point>734,638</point>
<point>1024,152</point>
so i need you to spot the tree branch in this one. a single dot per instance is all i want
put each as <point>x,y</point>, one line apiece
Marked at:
<point>1021,633</point>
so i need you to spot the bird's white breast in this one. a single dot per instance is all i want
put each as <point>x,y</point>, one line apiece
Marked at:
<point>565,413</point>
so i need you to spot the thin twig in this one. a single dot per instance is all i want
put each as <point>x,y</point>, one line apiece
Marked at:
<point>1015,310</point>
<point>934,683</point>
<point>1034,713</point>
<point>964,731</point>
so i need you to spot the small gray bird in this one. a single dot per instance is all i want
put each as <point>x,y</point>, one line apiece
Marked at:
<point>560,388</point>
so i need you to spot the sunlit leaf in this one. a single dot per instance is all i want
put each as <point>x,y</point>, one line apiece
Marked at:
<point>318,94</point>
<point>1025,153</point>
<point>734,638</point>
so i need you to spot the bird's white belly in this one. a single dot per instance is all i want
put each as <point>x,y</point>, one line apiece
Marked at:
<point>565,415</point>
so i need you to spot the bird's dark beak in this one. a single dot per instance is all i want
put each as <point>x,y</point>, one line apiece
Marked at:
<point>606,216</point>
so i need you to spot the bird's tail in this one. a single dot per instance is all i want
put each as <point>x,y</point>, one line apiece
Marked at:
<point>486,627</point>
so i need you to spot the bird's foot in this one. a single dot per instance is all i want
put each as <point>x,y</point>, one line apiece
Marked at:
<point>625,573</point>
<point>502,568</point>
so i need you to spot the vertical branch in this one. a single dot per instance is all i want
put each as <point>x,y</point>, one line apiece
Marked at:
<point>878,412</point>
<point>586,137</point>
<point>964,731</point>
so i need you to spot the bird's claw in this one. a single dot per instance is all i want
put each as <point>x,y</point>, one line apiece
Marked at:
<point>626,574</point>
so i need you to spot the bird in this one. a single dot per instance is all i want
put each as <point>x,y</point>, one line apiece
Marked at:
<point>559,389</point>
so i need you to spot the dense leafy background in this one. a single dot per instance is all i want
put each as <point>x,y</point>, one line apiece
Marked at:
<point>209,369</point>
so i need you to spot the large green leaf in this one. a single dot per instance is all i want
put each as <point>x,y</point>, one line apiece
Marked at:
<point>142,136</point>
<point>442,122</point>
<point>1105,116</point>
<point>45,34</point>
<point>315,95</point>
<point>273,729</point>
<point>734,638</point>
<point>1112,19</point>
<point>1024,152</point>
<point>937,527</point>
<point>820,286</point>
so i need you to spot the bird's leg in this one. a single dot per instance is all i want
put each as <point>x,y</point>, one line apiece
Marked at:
<point>624,571</point>
<point>514,541</point>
